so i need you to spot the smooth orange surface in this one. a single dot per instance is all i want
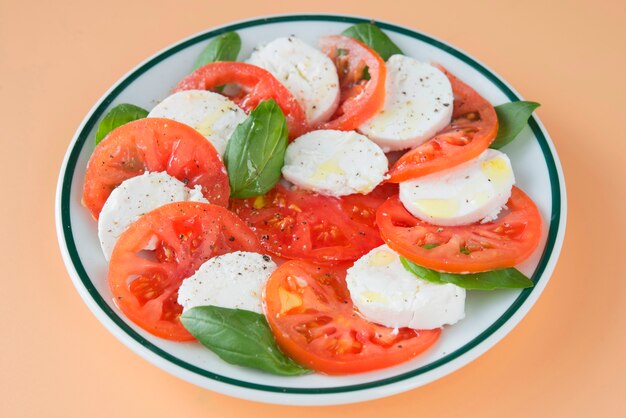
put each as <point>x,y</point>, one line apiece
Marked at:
<point>567,358</point>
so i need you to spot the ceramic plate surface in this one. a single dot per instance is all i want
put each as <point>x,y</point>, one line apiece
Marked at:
<point>489,315</point>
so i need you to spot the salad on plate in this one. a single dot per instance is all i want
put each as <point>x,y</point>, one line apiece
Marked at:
<point>310,208</point>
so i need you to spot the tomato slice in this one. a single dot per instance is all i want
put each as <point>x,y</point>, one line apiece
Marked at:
<point>145,283</point>
<point>312,317</point>
<point>360,98</point>
<point>258,85</point>
<point>474,126</point>
<point>297,224</point>
<point>154,144</point>
<point>473,248</point>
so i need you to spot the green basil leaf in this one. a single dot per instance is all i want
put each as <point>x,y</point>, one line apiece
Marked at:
<point>224,47</point>
<point>239,337</point>
<point>118,116</point>
<point>496,279</point>
<point>421,272</point>
<point>372,36</point>
<point>256,151</point>
<point>512,117</point>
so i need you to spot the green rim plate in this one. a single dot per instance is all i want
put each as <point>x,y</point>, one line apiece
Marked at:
<point>83,136</point>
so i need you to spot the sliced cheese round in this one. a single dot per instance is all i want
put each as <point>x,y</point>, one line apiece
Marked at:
<point>418,104</point>
<point>386,293</point>
<point>135,197</point>
<point>470,192</point>
<point>306,72</point>
<point>335,163</point>
<point>233,280</point>
<point>213,115</point>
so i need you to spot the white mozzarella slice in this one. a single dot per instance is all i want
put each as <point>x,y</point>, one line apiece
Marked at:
<point>335,163</point>
<point>233,280</point>
<point>470,192</point>
<point>213,115</point>
<point>135,197</point>
<point>386,293</point>
<point>418,104</point>
<point>306,72</point>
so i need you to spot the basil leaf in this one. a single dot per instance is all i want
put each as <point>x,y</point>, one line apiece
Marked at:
<point>421,272</point>
<point>224,47</point>
<point>496,279</point>
<point>512,117</point>
<point>372,36</point>
<point>256,151</point>
<point>239,337</point>
<point>118,116</point>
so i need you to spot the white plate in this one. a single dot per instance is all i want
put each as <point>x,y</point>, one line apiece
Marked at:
<point>490,315</point>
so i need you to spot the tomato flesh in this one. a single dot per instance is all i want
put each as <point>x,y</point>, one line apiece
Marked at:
<point>314,321</point>
<point>154,144</point>
<point>257,84</point>
<point>473,248</point>
<point>297,224</point>
<point>360,98</point>
<point>184,235</point>
<point>474,126</point>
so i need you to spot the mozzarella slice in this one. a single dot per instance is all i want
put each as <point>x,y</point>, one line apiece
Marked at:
<point>385,293</point>
<point>470,192</point>
<point>306,72</point>
<point>233,280</point>
<point>135,197</point>
<point>211,114</point>
<point>418,104</point>
<point>335,163</point>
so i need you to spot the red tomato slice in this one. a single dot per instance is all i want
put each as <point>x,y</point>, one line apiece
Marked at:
<point>360,98</point>
<point>474,248</point>
<point>145,283</point>
<point>154,144</point>
<point>474,126</point>
<point>297,224</point>
<point>258,85</point>
<point>312,317</point>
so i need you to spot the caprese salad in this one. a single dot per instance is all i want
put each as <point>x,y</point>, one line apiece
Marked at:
<point>312,208</point>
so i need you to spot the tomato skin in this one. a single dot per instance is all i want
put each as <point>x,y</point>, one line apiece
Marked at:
<point>258,84</point>
<point>314,321</point>
<point>473,128</point>
<point>187,235</point>
<point>503,243</point>
<point>154,144</point>
<point>297,224</point>
<point>360,98</point>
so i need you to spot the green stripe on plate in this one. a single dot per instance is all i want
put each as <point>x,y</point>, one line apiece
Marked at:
<point>84,136</point>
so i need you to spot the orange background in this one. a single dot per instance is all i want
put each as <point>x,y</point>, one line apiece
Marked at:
<point>566,358</point>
